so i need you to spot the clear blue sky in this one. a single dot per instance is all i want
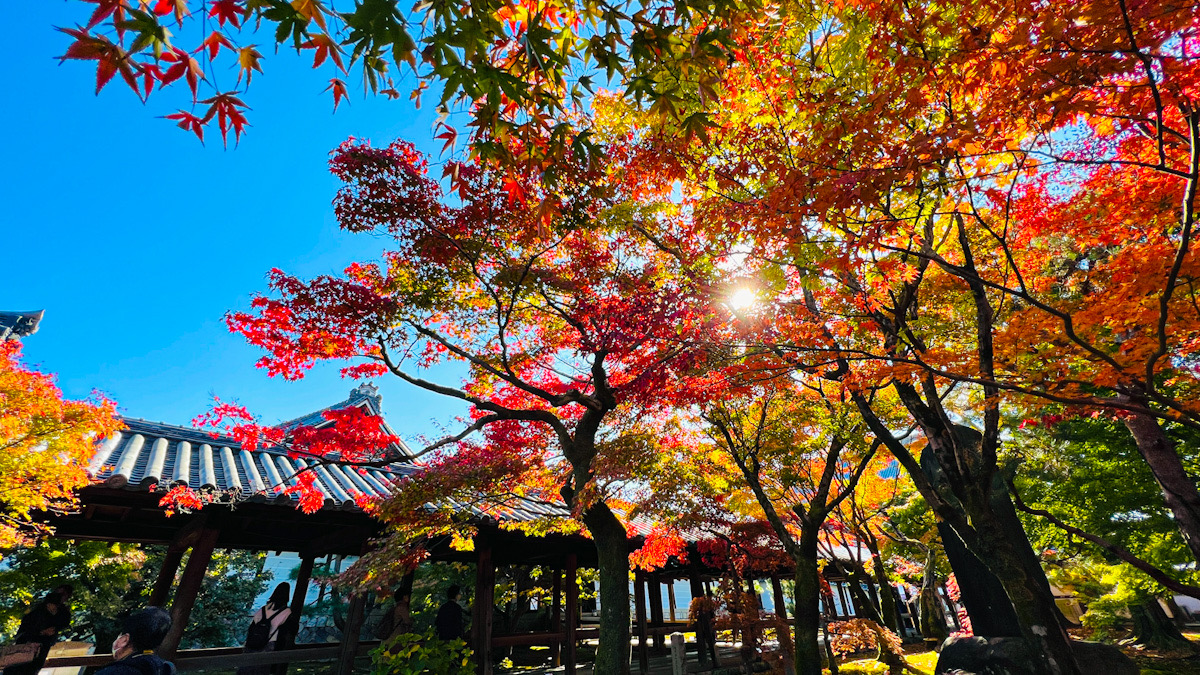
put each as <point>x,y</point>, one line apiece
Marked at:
<point>136,239</point>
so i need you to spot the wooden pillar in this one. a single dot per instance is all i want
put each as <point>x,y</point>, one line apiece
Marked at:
<point>572,613</point>
<point>189,588</point>
<point>639,603</point>
<point>354,621</point>
<point>702,631</point>
<point>556,624</point>
<point>784,630</point>
<point>287,637</point>
<point>656,614</point>
<point>166,576</point>
<point>671,600</point>
<point>483,607</point>
<point>777,596</point>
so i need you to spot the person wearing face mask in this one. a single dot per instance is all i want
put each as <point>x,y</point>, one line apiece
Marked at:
<point>134,648</point>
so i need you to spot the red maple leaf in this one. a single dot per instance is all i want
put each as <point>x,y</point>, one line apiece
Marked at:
<point>227,109</point>
<point>228,10</point>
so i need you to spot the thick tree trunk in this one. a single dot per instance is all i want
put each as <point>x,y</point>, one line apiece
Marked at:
<point>612,547</point>
<point>1179,490</point>
<point>994,534</point>
<point>807,596</point>
<point>1154,629</point>
<point>1006,549</point>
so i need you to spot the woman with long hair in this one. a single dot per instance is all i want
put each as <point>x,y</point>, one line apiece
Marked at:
<point>266,626</point>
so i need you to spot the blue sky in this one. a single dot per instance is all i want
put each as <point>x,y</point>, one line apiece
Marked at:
<point>136,239</point>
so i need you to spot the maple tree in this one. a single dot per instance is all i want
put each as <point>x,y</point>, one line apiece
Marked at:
<point>777,463</point>
<point>800,461</point>
<point>522,68</point>
<point>570,329</point>
<point>942,204</point>
<point>46,444</point>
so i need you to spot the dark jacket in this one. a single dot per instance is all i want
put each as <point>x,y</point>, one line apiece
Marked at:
<point>142,664</point>
<point>449,621</point>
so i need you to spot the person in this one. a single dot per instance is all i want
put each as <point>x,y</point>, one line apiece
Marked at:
<point>399,620</point>
<point>449,621</point>
<point>143,632</point>
<point>42,624</point>
<point>270,619</point>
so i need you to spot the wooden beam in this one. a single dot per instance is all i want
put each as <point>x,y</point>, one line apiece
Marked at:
<point>354,622</point>
<point>483,607</point>
<point>166,577</point>
<point>189,588</point>
<point>639,603</point>
<point>572,614</point>
<point>656,613</point>
<point>671,599</point>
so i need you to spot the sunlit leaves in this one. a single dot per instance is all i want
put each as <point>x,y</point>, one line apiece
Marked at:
<point>48,443</point>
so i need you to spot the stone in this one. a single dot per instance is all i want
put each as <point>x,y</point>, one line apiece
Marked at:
<point>1014,656</point>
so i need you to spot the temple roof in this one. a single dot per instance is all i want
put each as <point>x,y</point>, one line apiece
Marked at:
<point>19,324</point>
<point>153,457</point>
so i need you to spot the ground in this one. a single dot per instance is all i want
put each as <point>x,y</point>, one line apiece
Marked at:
<point>1151,662</point>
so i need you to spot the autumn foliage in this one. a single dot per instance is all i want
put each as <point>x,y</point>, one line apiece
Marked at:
<point>46,445</point>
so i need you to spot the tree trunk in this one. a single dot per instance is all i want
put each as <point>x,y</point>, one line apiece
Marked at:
<point>1154,629</point>
<point>887,597</point>
<point>807,596</point>
<point>612,548</point>
<point>1008,556</point>
<point>1179,490</point>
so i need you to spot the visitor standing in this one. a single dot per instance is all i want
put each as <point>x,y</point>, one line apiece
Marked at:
<point>449,621</point>
<point>265,627</point>
<point>43,623</point>
<point>134,648</point>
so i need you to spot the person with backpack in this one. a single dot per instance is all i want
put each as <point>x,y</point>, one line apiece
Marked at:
<point>134,648</point>
<point>265,628</point>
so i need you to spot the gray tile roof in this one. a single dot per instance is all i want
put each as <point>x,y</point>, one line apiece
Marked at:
<point>149,456</point>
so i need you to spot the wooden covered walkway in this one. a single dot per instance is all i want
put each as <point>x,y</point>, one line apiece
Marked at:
<point>134,468</point>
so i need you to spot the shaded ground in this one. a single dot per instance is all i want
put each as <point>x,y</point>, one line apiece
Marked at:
<point>1151,662</point>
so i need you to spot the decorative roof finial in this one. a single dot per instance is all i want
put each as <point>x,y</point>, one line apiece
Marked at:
<point>15,325</point>
<point>368,390</point>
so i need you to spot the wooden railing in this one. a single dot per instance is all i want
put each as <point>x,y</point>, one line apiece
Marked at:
<point>227,657</point>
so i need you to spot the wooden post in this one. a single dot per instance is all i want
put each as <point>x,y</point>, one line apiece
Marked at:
<point>354,621</point>
<point>166,576</point>
<point>483,607</point>
<point>556,624</point>
<point>702,630</point>
<point>777,596</point>
<point>656,614</point>
<point>639,603</point>
<point>189,587</point>
<point>287,634</point>
<point>671,599</point>
<point>784,630</point>
<point>572,614</point>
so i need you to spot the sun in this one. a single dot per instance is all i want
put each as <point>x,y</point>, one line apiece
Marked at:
<point>743,298</point>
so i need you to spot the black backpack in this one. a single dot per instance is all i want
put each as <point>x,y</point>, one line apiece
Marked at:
<point>259,635</point>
